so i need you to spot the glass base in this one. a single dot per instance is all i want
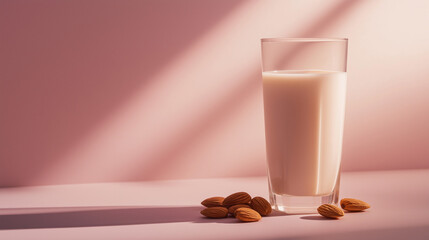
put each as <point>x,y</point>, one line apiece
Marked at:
<point>301,204</point>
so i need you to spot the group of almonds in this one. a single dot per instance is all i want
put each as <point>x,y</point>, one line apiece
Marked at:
<point>247,209</point>
<point>240,205</point>
<point>348,204</point>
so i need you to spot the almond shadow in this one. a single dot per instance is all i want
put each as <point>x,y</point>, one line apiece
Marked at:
<point>318,218</point>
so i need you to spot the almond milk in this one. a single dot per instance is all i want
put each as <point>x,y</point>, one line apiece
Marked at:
<point>304,116</point>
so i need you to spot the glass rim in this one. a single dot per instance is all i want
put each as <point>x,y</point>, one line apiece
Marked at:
<point>286,39</point>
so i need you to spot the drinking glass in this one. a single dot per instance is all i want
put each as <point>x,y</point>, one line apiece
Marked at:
<point>304,89</point>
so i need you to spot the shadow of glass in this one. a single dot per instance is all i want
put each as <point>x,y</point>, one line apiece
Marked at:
<point>69,217</point>
<point>232,220</point>
<point>276,213</point>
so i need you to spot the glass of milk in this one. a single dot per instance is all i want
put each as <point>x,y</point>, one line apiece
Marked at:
<point>304,88</point>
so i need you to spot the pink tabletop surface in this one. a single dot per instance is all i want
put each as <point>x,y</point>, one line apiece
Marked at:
<point>170,210</point>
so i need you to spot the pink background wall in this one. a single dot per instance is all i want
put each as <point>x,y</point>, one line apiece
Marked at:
<point>105,90</point>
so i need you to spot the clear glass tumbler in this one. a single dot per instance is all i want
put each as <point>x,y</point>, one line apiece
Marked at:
<point>304,88</point>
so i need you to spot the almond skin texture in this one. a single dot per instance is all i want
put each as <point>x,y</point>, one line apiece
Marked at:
<point>247,215</point>
<point>232,209</point>
<point>330,211</point>
<point>215,212</point>
<point>353,205</point>
<point>213,202</point>
<point>261,205</point>
<point>236,198</point>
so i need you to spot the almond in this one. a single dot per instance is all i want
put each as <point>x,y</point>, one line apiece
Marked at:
<point>353,205</point>
<point>237,198</point>
<point>213,202</point>
<point>261,205</point>
<point>330,211</point>
<point>232,209</point>
<point>215,212</point>
<point>247,215</point>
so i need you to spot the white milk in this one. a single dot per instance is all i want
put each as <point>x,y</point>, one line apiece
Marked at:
<point>304,116</point>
